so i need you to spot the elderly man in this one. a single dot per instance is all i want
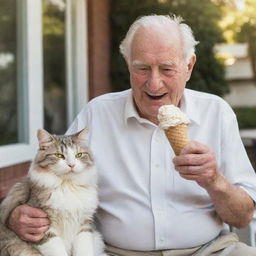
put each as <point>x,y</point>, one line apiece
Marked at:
<point>151,202</point>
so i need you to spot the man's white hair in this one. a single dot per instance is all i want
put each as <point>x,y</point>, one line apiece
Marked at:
<point>162,21</point>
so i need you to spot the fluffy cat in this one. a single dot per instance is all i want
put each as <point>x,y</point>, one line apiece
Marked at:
<point>62,181</point>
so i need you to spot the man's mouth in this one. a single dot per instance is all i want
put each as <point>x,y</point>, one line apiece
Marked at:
<point>155,96</point>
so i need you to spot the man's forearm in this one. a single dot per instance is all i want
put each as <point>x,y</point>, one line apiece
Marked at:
<point>233,205</point>
<point>197,162</point>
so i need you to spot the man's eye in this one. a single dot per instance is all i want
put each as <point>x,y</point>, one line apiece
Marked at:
<point>59,155</point>
<point>168,71</point>
<point>78,155</point>
<point>142,69</point>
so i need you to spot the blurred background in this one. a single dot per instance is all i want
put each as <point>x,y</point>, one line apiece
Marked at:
<point>226,57</point>
<point>55,55</point>
<point>226,54</point>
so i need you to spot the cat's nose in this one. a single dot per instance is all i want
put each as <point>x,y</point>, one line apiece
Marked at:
<point>71,165</point>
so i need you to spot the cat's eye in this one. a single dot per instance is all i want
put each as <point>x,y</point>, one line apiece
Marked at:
<point>78,155</point>
<point>59,155</point>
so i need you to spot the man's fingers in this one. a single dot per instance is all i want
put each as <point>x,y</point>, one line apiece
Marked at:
<point>188,176</point>
<point>191,170</point>
<point>31,217</point>
<point>32,234</point>
<point>191,159</point>
<point>195,154</point>
<point>194,147</point>
<point>34,212</point>
<point>196,162</point>
<point>28,223</point>
<point>37,231</point>
<point>32,237</point>
<point>34,222</point>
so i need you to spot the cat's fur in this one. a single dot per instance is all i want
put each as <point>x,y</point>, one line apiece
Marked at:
<point>62,181</point>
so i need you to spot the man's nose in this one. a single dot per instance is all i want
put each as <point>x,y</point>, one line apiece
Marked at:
<point>154,81</point>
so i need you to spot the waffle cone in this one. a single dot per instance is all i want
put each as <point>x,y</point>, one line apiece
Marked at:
<point>177,136</point>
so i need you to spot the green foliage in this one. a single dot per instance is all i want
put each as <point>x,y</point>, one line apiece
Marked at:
<point>246,117</point>
<point>8,73</point>
<point>54,16</point>
<point>54,45</point>
<point>240,26</point>
<point>202,16</point>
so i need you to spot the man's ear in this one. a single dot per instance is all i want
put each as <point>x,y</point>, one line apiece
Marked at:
<point>190,66</point>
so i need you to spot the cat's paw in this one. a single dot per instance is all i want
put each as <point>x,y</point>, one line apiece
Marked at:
<point>83,245</point>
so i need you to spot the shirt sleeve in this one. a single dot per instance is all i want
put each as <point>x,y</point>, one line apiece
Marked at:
<point>235,163</point>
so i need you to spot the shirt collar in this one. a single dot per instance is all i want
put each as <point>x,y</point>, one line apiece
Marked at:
<point>188,106</point>
<point>130,110</point>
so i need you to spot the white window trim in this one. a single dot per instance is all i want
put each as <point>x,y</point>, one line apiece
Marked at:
<point>32,75</point>
<point>32,79</point>
<point>77,57</point>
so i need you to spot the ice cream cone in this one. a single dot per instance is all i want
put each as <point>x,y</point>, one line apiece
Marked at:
<point>177,136</point>
<point>175,125</point>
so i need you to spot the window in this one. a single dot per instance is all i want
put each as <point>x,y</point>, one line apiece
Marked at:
<point>9,100</point>
<point>54,45</point>
<point>64,46</point>
<point>21,51</point>
<point>24,101</point>
<point>76,55</point>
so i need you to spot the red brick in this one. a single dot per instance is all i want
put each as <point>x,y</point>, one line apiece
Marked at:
<point>99,47</point>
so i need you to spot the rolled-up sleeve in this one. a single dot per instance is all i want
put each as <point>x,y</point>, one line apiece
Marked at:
<point>235,163</point>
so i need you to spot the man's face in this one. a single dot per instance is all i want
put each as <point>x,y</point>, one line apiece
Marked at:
<point>158,72</point>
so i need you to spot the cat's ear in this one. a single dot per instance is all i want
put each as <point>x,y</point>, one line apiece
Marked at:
<point>83,134</point>
<point>45,139</point>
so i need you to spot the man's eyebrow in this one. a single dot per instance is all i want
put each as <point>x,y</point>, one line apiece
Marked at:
<point>137,63</point>
<point>167,63</point>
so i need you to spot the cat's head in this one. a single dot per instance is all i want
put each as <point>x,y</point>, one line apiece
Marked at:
<point>63,155</point>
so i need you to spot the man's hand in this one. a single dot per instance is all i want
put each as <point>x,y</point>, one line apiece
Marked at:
<point>28,223</point>
<point>197,162</point>
<point>233,205</point>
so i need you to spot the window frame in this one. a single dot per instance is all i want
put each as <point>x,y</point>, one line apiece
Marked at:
<point>30,86</point>
<point>77,57</point>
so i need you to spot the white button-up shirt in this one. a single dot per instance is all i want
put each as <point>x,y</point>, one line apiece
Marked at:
<point>144,203</point>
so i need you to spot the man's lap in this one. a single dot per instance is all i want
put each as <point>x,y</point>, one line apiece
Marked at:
<point>224,245</point>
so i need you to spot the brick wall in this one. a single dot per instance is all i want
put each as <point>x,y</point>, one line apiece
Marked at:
<point>10,175</point>
<point>99,47</point>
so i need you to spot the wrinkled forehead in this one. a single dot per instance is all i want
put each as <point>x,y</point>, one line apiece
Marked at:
<point>157,42</point>
<point>157,34</point>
